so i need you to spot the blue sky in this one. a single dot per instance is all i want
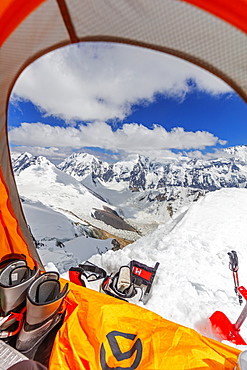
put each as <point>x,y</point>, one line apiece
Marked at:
<point>225,116</point>
<point>124,100</point>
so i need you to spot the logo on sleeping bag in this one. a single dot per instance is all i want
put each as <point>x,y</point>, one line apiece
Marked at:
<point>121,351</point>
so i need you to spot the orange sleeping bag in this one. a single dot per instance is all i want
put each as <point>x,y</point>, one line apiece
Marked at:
<point>102,333</point>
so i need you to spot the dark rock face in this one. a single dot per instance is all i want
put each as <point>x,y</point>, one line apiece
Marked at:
<point>111,217</point>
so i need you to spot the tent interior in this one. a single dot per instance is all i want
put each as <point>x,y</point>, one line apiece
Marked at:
<point>211,34</point>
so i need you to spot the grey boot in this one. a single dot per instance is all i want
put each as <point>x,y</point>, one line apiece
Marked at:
<point>15,278</point>
<point>44,312</point>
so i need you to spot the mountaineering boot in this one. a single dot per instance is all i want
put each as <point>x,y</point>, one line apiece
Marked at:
<point>131,283</point>
<point>11,257</point>
<point>15,278</point>
<point>88,275</point>
<point>45,310</point>
<point>119,285</point>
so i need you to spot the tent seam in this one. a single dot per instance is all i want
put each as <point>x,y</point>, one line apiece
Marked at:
<point>67,21</point>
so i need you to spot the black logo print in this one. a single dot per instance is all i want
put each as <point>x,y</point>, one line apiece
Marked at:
<point>118,354</point>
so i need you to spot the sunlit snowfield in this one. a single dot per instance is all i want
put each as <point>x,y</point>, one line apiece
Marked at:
<point>193,279</point>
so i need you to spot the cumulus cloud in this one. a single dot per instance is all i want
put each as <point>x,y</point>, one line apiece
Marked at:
<point>99,81</point>
<point>55,155</point>
<point>131,138</point>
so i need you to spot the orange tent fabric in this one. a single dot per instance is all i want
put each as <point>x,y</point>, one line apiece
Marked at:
<point>234,12</point>
<point>103,333</point>
<point>29,29</point>
<point>11,239</point>
<point>100,332</point>
<point>12,13</point>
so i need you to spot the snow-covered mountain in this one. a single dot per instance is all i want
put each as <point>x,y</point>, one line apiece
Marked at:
<point>152,190</point>
<point>139,173</point>
<point>83,164</point>
<point>39,180</point>
<point>144,193</point>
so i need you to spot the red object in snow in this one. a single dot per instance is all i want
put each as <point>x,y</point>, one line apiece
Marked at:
<point>223,326</point>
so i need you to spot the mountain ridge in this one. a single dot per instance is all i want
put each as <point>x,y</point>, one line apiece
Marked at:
<point>140,174</point>
<point>40,180</point>
<point>143,192</point>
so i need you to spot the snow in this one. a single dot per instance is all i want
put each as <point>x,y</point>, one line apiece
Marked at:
<point>193,279</point>
<point>49,227</point>
<point>84,248</point>
<point>53,187</point>
<point>38,179</point>
<point>47,222</point>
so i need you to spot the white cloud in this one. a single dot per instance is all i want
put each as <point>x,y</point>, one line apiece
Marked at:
<point>56,155</point>
<point>102,81</point>
<point>132,138</point>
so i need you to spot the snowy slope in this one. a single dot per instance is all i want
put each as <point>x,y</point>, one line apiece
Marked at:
<point>58,242</point>
<point>144,210</point>
<point>139,209</point>
<point>46,223</point>
<point>72,253</point>
<point>193,279</point>
<point>39,180</point>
